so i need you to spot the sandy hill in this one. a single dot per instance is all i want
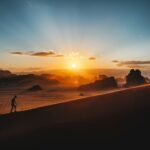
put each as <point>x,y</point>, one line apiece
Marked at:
<point>118,117</point>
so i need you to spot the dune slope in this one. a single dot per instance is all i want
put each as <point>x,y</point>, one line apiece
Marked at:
<point>121,116</point>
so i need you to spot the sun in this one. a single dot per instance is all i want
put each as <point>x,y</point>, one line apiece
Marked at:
<point>74,66</point>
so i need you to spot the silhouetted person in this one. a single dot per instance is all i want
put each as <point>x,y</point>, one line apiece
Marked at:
<point>13,104</point>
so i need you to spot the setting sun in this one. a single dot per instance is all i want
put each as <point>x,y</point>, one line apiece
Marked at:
<point>74,66</point>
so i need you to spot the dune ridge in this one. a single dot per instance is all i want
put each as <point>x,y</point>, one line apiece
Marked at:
<point>102,116</point>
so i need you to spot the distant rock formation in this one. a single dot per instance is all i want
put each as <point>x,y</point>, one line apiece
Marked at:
<point>134,78</point>
<point>35,88</point>
<point>105,83</point>
<point>81,94</point>
<point>101,77</point>
<point>5,73</point>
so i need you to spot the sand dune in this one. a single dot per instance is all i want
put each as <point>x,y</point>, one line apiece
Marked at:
<point>113,117</point>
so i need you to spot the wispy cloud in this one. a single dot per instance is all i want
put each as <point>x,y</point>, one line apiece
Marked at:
<point>122,63</point>
<point>115,61</point>
<point>133,64</point>
<point>27,69</point>
<point>43,54</point>
<point>59,55</point>
<point>33,53</point>
<point>17,53</point>
<point>52,53</point>
<point>92,58</point>
<point>139,66</point>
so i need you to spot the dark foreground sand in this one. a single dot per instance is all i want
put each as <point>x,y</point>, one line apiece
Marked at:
<point>120,118</point>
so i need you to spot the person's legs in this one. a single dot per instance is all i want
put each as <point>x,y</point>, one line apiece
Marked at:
<point>11,109</point>
<point>15,108</point>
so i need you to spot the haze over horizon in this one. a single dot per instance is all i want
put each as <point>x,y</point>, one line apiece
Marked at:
<point>56,34</point>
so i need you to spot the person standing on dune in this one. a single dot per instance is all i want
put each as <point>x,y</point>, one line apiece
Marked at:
<point>13,104</point>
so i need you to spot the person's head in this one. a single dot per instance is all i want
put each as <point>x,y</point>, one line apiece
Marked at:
<point>15,96</point>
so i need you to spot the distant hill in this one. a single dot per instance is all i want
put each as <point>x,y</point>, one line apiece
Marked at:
<point>105,83</point>
<point>5,73</point>
<point>26,81</point>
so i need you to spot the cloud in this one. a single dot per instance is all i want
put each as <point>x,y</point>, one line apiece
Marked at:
<point>33,53</point>
<point>124,63</point>
<point>43,54</point>
<point>59,55</point>
<point>136,66</point>
<point>92,58</point>
<point>17,53</point>
<point>51,53</point>
<point>115,61</point>
<point>27,69</point>
<point>133,64</point>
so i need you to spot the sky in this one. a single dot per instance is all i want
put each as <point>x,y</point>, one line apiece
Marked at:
<point>54,34</point>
